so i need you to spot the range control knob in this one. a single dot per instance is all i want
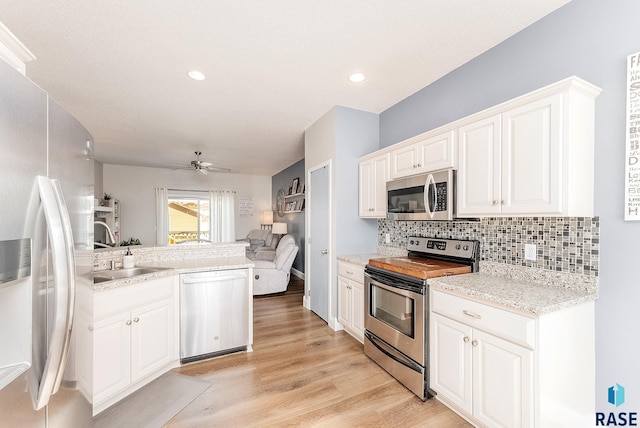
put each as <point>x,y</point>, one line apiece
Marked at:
<point>411,242</point>
<point>466,247</point>
<point>457,246</point>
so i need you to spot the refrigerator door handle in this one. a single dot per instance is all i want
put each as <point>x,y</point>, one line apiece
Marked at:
<point>61,241</point>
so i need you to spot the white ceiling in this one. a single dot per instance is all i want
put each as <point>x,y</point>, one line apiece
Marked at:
<point>273,67</point>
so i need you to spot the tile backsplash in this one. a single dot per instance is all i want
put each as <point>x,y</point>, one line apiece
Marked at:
<point>564,244</point>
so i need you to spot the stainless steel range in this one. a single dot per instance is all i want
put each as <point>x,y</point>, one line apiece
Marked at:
<point>396,305</point>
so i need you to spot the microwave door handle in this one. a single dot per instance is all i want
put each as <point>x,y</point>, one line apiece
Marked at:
<point>430,196</point>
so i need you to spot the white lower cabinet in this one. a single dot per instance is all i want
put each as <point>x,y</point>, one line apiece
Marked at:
<point>135,338</point>
<point>351,299</point>
<point>484,375</point>
<point>497,368</point>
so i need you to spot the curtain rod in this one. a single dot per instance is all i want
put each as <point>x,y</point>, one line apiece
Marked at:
<point>203,191</point>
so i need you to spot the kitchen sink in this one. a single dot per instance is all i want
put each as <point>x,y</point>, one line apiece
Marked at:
<point>111,275</point>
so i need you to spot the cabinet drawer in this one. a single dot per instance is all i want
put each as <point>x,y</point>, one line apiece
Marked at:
<point>508,325</point>
<point>123,298</point>
<point>350,271</point>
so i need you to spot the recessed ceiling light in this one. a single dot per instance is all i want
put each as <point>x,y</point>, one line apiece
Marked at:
<point>357,77</point>
<point>196,75</point>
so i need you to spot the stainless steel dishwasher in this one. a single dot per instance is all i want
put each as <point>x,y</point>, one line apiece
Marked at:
<point>214,313</point>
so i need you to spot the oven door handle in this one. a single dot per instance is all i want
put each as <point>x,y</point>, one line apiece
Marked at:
<point>395,286</point>
<point>405,362</point>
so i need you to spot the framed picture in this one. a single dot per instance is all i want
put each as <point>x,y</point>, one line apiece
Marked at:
<point>294,185</point>
<point>301,188</point>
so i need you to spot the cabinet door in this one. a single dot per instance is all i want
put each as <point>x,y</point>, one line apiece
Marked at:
<point>344,302</point>
<point>437,152</point>
<point>378,192</point>
<point>479,176</point>
<point>111,355</point>
<point>404,161</point>
<point>502,382</point>
<point>153,338</point>
<point>450,371</point>
<point>357,304</point>
<point>531,155</point>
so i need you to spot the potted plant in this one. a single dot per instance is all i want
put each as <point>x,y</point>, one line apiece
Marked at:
<point>108,200</point>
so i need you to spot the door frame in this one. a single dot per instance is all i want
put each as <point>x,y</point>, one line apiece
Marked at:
<point>306,301</point>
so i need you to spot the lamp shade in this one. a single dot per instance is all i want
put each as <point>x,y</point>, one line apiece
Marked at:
<point>266,217</point>
<point>279,228</point>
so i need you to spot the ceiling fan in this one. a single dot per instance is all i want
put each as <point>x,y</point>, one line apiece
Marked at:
<point>200,165</point>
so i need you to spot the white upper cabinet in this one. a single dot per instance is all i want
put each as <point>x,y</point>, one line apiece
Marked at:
<point>374,174</point>
<point>532,156</point>
<point>529,156</point>
<point>479,173</point>
<point>424,154</point>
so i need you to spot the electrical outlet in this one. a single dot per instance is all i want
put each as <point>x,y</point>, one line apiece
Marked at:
<point>530,252</point>
<point>387,238</point>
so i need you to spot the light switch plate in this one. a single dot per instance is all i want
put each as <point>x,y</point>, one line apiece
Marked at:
<point>387,238</point>
<point>530,252</point>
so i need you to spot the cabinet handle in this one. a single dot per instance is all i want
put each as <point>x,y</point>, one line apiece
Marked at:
<point>471,314</point>
<point>465,339</point>
<point>474,343</point>
<point>136,319</point>
<point>495,202</point>
<point>349,272</point>
<point>503,203</point>
<point>128,322</point>
<point>90,328</point>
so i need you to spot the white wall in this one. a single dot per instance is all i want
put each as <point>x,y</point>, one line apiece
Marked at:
<point>135,188</point>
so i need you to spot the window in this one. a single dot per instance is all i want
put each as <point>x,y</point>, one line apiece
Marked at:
<point>192,216</point>
<point>189,219</point>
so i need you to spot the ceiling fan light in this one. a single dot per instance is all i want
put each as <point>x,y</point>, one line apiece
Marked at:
<point>196,75</point>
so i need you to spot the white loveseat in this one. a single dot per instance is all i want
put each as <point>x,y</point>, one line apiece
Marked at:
<point>273,276</point>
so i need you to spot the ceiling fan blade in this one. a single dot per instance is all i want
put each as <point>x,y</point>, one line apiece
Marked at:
<point>204,171</point>
<point>205,164</point>
<point>217,169</point>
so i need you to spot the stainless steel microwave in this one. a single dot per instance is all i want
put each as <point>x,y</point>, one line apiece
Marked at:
<point>429,196</point>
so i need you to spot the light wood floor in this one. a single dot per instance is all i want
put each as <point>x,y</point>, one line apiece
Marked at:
<point>302,373</point>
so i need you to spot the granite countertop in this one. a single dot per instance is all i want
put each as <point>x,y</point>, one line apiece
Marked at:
<point>175,267</point>
<point>530,297</point>
<point>527,290</point>
<point>360,259</point>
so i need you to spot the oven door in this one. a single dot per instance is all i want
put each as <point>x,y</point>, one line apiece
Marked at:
<point>396,314</point>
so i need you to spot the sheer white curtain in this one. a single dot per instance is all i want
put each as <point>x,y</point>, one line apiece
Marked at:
<point>223,223</point>
<point>162,216</point>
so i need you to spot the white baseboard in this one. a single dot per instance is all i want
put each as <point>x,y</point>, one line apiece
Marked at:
<point>297,273</point>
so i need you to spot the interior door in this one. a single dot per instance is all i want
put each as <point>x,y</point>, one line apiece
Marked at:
<point>319,242</point>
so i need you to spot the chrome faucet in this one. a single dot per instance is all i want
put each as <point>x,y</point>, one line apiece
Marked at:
<point>109,233</point>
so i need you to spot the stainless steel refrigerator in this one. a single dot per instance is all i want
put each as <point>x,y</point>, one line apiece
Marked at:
<point>46,255</point>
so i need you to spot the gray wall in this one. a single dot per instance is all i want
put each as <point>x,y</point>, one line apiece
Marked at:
<point>356,132</point>
<point>590,39</point>
<point>295,221</point>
